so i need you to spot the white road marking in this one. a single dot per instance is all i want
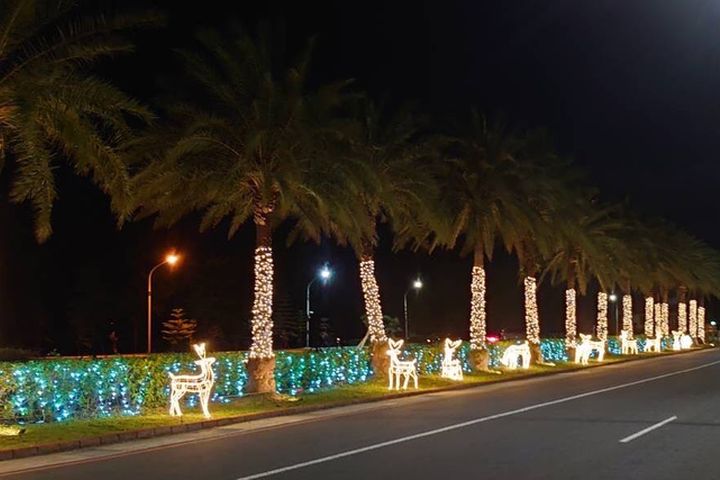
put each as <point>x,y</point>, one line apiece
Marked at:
<point>649,429</point>
<point>469,423</point>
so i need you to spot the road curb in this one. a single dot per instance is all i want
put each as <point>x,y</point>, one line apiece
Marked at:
<point>111,438</point>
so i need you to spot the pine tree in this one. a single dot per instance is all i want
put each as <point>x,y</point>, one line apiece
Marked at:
<point>178,328</point>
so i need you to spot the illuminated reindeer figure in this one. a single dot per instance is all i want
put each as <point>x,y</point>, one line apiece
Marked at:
<point>627,345</point>
<point>451,367</point>
<point>201,384</point>
<point>398,367</point>
<point>513,352</point>
<point>586,347</point>
<point>685,341</point>
<point>653,344</point>
<point>676,345</point>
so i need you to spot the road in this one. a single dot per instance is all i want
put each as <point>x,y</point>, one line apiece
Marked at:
<point>653,419</point>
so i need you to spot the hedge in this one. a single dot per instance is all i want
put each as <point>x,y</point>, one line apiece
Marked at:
<point>60,389</point>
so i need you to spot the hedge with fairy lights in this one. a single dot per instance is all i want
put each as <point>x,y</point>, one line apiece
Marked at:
<point>61,389</point>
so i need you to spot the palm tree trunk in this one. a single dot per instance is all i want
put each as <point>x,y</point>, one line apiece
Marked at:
<point>478,325</point>
<point>570,312</point>
<point>701,320</point>
<point>602,316</point>
<point>532,318</point>
<point>658,318</point>
<point>261,364</point>
<point>649,324</point>
<point>373,311</point>
<point>693,319</point>
<point>682,309</point>
<point>665,313</point>
<point>627,319</point>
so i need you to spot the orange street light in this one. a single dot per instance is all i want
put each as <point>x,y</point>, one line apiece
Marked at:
<point>171,259</point>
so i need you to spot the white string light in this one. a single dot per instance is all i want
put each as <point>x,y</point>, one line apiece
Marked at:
<point>512,353</point>
<point>693,319</point>
<point>649,325</point>
<point>570,317</point>
<point>682,317</point>
<point>201,384</point>
<point>451,367</point>
<point>627,320</point>
<point>701,323</point>
<point>397,368</point>
<point>602,316</point>
<point>665,319</point>
<point>262,323</point>
<point>532,321</point>
<point>628,345</point>
<point>478,325</point>
<point>373,309</point>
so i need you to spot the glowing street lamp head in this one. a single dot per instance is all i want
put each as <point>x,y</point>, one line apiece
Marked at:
<point>325,273</point>
<point>417,284</point>
<point>172,258</point>
<point>612,297</point>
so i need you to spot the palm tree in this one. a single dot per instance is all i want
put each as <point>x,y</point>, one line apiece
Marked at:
<point>384,179</point>
<point>248,150</point>
<point>53,111</point>
<point>482,175</point>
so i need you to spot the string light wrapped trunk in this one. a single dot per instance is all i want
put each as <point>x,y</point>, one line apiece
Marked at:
<point>649,324</point>
<point>701,324</point>
<point>532,319</point>
<point>570,318</point>
<point>693,319</point>
<point>373,311</point>
<point>658,319</point>
<point>478,319</point>
<point>665,319</point>
<point>682,317</point>
<point>627,320</point>
<point>602,316</point>
<point>261,362</point>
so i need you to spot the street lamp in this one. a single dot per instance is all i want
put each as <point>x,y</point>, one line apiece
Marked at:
<point>417,285</point>
<point>325,274</point>
<point>171,259</point>
<point>613,298</point>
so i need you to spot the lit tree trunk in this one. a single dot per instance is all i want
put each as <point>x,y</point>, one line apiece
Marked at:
<point>478,321</point>
<point>658,319</point>
<point>602,316</point>
<point>682,309</point>
<point>373,312</point>
<point>693,319</point>
<point>261,364</point>
<point>532,317</point>
<point>570,312</point>
<point>664,312</point>
<point>701,321</point>
<point>649,324</point>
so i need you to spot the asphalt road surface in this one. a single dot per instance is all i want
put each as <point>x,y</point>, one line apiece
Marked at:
<point>654,419</point>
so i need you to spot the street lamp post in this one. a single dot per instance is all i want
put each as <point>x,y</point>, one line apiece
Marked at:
<point>170,259</point>
<point>613,298</point>
<point>417,285</point>
<point>324,274</point>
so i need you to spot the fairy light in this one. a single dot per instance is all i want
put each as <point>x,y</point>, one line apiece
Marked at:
<point>405,368</point>
<point>371,293</point>
<point>693,319</point>
<point>262,305</point>
<point>602,316</point>
<point>627,321</point>
<point>682,317</point>
<point>665,319</point>
<point>570,317</point>
<point>451,367</point>
<point>201,384</point>
<point>532,322</point>
<point>701,323</point>
<point>513,353</point>
<point>649,325</point>
<point>478,325</point>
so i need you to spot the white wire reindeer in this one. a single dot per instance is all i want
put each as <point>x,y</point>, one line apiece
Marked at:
<point>201,384</point>
<point>513,352</point>
<point>451,367</point>
<point>627,345</point>
<point>586,347</point>
<point>653,344</point>
<point>399,367</point>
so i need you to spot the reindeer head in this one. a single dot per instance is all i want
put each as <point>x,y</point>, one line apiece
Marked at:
<point>585,337</point>
<point>623,335</point>
<point>204,361</point>
<point>394,347</point>
<point>676,334</point>
<point>200,349</point>
<point>451,346</point>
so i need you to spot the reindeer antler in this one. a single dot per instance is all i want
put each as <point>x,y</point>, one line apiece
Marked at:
<point>200,349</point>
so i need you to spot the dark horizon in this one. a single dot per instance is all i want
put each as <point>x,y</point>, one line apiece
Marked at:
<point>626,89</point>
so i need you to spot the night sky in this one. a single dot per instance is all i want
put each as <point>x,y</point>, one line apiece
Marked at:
<point>628,89</point>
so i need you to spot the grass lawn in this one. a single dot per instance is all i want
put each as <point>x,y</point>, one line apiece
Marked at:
<point>38,434</point>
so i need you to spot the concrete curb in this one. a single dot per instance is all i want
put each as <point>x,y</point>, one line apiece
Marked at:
<point>110,438</point>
